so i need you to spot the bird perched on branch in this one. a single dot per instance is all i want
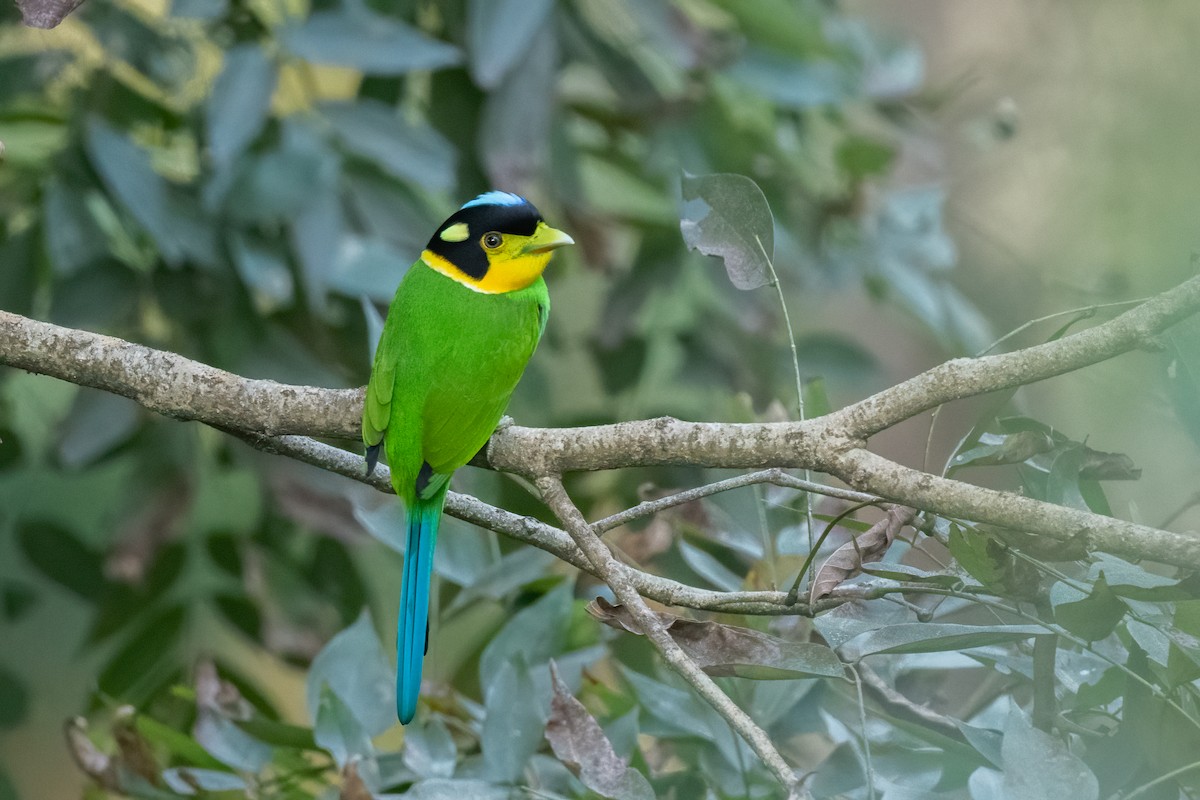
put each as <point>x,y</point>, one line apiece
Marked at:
<point>464,323</point>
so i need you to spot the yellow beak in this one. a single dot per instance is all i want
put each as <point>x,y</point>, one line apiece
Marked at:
<point>545,239</point>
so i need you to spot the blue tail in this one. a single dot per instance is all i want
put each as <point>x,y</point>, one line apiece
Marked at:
<point>412,627</point>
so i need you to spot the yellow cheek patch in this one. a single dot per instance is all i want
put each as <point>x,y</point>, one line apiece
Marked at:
<point>506,276</point>
<point>458,232</point>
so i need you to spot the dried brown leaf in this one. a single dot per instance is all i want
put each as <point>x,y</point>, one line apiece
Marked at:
<point>135,751</point>
<point>46,13</point>
<point>216,695</point>
<point>728,650</point>
<point>99,766</point>
<point>846,562</point>
<point>353,787</point>
<point>579,743</point>
<point>1101,466</point>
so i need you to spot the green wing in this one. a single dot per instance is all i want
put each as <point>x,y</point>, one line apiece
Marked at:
<point>377,407</point>
<point>446,365</point>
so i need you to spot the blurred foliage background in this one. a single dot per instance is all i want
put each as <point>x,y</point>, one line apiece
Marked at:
<point>245,181</point>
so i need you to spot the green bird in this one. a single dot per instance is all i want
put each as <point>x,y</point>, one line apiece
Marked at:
<point>463,325</point>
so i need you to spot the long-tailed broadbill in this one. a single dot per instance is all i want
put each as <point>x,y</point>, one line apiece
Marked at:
<point>465,321</point>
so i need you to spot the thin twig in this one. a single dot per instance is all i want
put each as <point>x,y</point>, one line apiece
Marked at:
<point>868,767</point>
<point>1086,310</point>
<point>616,575</point>
<point>1161,779</point>
<point>787,321</point>
<point>776,477</point>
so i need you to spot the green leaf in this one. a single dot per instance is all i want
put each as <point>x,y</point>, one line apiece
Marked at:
<point>780,25</point>
<point>374,271</point>
<point>127,174</point>
<point>1011,449</point>
<point>240,612</point>
<point>1038,766</point>
<point>984,559</point>
<point>429,750</point>
<point>859,156</point>
<point>333,571</point>
<point>1183,374</point>
<point>278,734</point>
<point>1133,581</point>
<point>986,741</point>
<point>514,721</point>
<point>264,269</point>
<point>98,422</point>
<point>14,699</point>
<point>31,143</point>
<point>178,744</point>
<point>239,103</point>
<point>338,730</point>
<point>512,571</point>
<point>624,191</point>
<point>816,398</point>
<point>537,632</point>
<point>199,9</point>
<point>275,186</point>
<point>677,712</point>
<point>146,659</point>
<point>458,790</point>
<point>854,619</point>
<point>177,230</point>
<point>709,568</point>
<point>1183,660</point>
<point>16,599</point>
<point>356,670</point>
<point>186,780</point>
<point>26,75</point>
<point>500,32</point>
<point>1094,617</point>
<point>517,118</point>
<point>387,209</point>
<point>62,558</point>
<point>355,37</point>
<point>987,784</point>
<point>73,238</point>
<point>933,637</point>
<point>407,151</point>
<point>1062,484</point>
<point>158,53</point>
<point>317,235</point>
<point>792,82</point>
<point>7,790</point>
<point>727,216</point>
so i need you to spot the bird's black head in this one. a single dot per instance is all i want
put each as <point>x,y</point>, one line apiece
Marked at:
<point>459,240</point>
<point>496,243</point>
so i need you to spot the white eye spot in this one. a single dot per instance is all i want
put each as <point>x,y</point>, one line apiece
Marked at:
<point>458,232</point>
<point>492,240</point>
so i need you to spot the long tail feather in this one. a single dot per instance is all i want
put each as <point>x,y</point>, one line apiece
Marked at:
<point>412,627</point>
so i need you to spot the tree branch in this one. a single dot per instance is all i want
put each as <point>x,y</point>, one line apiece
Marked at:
<point>558,542</point>
<point>184,389</point>
<point>616,575</point>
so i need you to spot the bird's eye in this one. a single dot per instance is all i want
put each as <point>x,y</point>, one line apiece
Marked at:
<point>492,240</point>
